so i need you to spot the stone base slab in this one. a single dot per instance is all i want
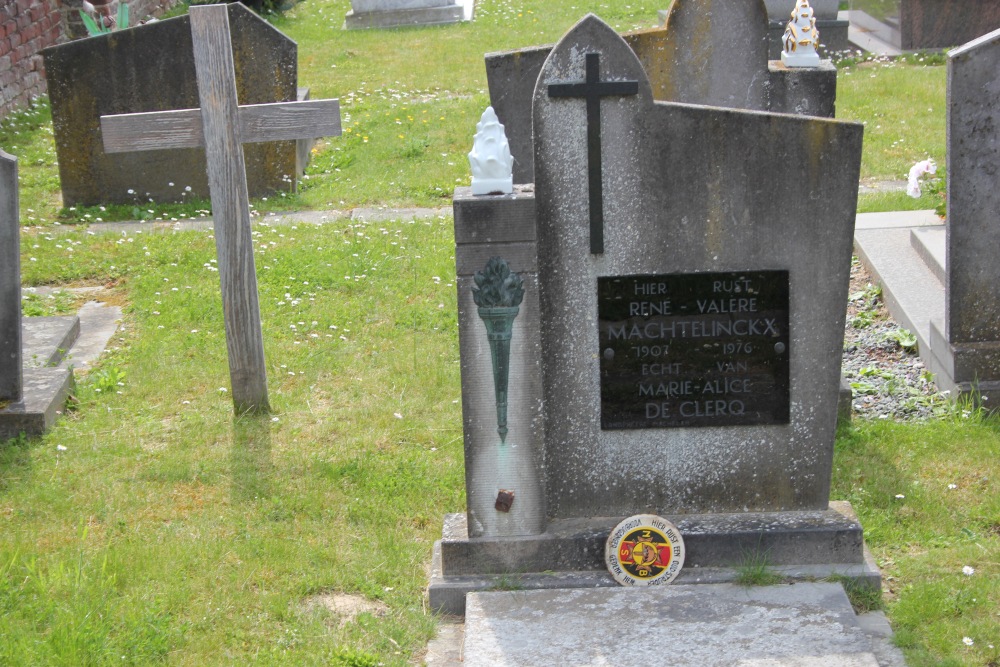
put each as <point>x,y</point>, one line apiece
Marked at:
<point>570,554</point>
<point>46,340</point>
<point>808,624</point>
<point>44,395</point>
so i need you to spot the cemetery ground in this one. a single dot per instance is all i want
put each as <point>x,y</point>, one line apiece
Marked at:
<point>150,526</point>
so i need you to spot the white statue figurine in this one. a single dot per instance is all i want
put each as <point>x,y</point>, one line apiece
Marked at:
<point>801,38</point>
<point>490,158</point>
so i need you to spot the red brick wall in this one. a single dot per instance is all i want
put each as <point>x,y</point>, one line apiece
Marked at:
<point>28,26</point>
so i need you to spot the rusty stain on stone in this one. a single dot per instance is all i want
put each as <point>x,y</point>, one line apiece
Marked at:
<point>504,500</point>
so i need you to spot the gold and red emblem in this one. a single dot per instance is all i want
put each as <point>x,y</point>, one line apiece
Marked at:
<point>644,550</point>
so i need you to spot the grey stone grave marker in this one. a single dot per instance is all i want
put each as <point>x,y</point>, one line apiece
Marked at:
<point>966,348</point>
<point>711,52</point>
<point>151,68</point>
<point>32,394</point>
<point>688,367</point>
<point>941,281</point>
<point>221,127</point>
<point>395,13</point>
<point>11,378</point>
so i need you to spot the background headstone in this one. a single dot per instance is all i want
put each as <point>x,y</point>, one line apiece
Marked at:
<point>940,281</point>
<point>717,53</point>
<point>151,68</point>
<point>395,13</point>
<point>966,346</point>
<point>704,54</point>
<point>925,24</point>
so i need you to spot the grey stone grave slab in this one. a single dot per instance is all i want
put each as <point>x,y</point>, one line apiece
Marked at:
<point>151,68</point>
<point>31,393</point>
<point>46,340</point>
<point>710,52</point>
<point>694,205</point>
<point>804,625</point>
<point>221,126</point>
<point>396,13</point>
<point>951,299</point>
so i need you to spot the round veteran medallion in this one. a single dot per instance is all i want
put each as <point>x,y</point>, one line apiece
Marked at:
<point>644,550</point>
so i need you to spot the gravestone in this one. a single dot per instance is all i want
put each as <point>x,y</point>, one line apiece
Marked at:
<point>221,127</point>
<point>11,378</point>
<point>711,52</point>
<point>151,68</point>
<point>941,281</point>
<point>677,349</point>
<point>396,13</point>
<point>925,24</point>
<point>31,392</point>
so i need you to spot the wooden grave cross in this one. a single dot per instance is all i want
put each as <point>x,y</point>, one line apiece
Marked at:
<point>221,127</point>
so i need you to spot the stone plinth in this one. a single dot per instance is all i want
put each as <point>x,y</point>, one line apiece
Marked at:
<point>500,226</point>
<point>570,553</point>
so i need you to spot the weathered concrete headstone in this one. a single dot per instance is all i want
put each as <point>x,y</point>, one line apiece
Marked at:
<point>967,348</point>
<point>689,332</point>
<point>711,52</point>
<point>31,394</point>
<point>221,127</point>
<point>395,13</point>
<point>151,68</point>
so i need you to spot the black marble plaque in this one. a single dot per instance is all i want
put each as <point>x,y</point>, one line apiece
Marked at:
<point>696,349</point>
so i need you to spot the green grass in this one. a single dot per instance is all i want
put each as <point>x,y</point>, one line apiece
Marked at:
<point>902,105</point>
<point>148,524</point>
<point>150,527</point>
<point>928,496</point>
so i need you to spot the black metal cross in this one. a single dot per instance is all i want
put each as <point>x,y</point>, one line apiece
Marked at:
<point>593,89</point>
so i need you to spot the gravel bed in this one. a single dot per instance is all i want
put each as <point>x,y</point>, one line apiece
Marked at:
<point>888,380</point>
